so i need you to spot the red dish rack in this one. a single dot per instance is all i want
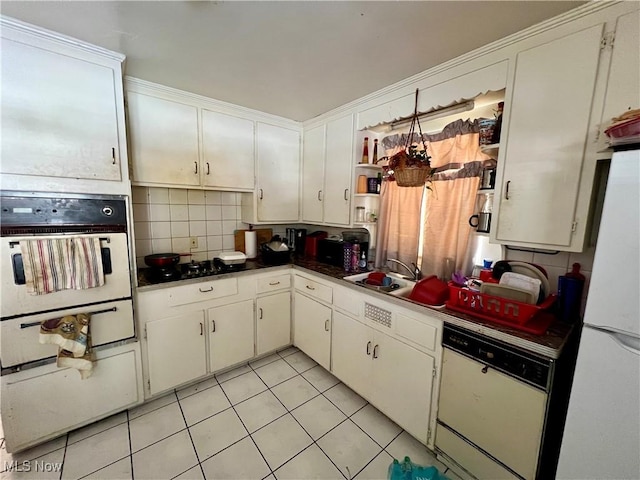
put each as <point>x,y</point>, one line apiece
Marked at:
<point>521,316</point>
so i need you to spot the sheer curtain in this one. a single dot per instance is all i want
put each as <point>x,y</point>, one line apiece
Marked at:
<point>437,228</point>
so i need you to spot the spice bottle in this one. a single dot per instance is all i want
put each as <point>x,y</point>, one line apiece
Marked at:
<point>379,182</point>
<point>375,151</point>
<point>365,151</point>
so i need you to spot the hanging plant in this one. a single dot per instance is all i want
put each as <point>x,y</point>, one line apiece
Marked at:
<point>411,166</point>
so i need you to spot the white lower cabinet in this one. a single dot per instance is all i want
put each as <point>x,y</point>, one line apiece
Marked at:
<point>273,322</point>
<point>230,334</point>
<point>396,378</point>
<point>176,349</point>
<point>312,329</point>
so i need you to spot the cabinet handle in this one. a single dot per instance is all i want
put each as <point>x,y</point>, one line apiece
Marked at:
<point>506,190</point>
<point>274,283</point>
<point>319,195</point>
<point>208,169</point>
<point>201,329</point>
<point>260,195</point>
<point>485,369</point>
<point>113,155</point>
<point>210,289</point>
<point>196,164</point>
<point>369,348</point>
<point>310,287</point>
<point>346,191</point>
<point>326,325</point>
<point>214,326</point>
<point>375,351</point>
<point>37,324</point>
<point>260,317</point>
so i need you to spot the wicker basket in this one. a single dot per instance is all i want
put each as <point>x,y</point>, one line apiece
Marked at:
<point>411,176</point>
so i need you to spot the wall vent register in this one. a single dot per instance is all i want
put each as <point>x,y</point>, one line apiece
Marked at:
<point>377,314</point>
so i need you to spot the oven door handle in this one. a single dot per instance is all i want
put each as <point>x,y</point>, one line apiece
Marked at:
<point>15,244</point>
<point>35,324</point>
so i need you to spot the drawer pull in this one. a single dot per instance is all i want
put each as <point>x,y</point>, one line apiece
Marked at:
<point>506,190</point>
<point>346,190</point>
<point>210,289</point>
<point>196,164</point>
<point>260,317</point>
<point>375,351</point>
<point>201,329</point>
<point>214,326</point>
<point>274,283</point>
<point>208,169</point>
<point>319,195</point>
<point>369,348</point>
<point>35,324</point>
<point>485,369</point>
<point>310,287</point>
<point>326,325</point>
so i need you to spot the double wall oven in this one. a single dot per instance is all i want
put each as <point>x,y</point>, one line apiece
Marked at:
<point>40,400</point>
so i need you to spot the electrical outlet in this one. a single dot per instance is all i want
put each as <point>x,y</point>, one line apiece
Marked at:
<point>194,242</point>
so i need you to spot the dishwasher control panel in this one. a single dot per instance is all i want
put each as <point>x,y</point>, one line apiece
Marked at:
<point>513,361</point>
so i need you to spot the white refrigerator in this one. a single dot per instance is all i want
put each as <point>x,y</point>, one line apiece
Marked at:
<point>602,433</point>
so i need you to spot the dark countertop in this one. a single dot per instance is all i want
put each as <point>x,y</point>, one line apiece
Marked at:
<point>549,344</point>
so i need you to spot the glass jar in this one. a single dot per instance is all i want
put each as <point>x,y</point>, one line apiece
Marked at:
<point>360,215</point>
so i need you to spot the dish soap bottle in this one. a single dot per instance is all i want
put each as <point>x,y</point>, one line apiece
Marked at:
<point>362,264</point>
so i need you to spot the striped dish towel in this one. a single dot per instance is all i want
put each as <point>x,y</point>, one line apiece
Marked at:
<point>58,264</point>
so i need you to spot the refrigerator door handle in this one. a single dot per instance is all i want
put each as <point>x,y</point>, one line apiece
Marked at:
<point>630,343</point>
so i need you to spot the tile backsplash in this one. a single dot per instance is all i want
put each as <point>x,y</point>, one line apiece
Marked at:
<point>166,219</point>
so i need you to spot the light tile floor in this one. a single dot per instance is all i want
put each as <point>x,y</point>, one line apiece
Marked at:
<point>280,417</point>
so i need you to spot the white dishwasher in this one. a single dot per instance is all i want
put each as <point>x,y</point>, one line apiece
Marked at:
<point>493,407</point>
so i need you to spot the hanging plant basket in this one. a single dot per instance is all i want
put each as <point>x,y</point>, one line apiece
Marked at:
<point>412,176</point>
<point>411,167</point>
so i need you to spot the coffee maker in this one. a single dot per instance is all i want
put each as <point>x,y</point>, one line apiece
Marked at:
<point>296,238</point>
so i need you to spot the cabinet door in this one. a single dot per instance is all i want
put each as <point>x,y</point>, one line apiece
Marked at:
<point>227,151</point>
<point>623,86</point>
<point>338,167</point>
<point>313,154</point>
<point>164,140</point>
<point>545,142</point>
<point>351,350</point>
<point>273,323</point>
<point>278,161</point>
<point>58,115</point>
<point>230,334</point>
<point>312,329</point>
<point>176,350</point>
<point>403,377</point>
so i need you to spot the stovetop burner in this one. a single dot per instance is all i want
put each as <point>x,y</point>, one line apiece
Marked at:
<point>185,271</point>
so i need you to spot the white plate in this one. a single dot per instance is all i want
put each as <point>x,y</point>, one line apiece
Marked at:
<point>533,272</point>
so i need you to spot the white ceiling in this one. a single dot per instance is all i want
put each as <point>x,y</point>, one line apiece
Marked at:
<point>293,59</point>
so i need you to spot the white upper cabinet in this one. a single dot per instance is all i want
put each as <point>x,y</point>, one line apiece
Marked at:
<point>227,151</point>
<point>326,176</point>
<point>62,111</point>
<point>278,165</point>
<point>163,135</point>
<point>623,86</point>
<point>184,140</point>
<point>549,118</point>
<point>313,153</point>
<point>337,170</point>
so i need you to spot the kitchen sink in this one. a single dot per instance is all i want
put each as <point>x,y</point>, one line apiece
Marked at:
<point>405,286</point>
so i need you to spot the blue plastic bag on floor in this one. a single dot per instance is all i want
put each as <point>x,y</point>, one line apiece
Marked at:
<point>407,470</point>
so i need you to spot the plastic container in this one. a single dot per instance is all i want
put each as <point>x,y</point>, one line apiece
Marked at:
<point>430,291</point>
<point>570,288</point>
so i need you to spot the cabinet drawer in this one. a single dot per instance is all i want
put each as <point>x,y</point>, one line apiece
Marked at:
<point>314,289</point>
<point>270,284</point>
<point>200,292</point>
<point>416,331</point>
<point>347,300</point>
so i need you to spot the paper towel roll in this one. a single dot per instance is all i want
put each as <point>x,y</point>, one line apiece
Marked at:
<point>251,244</point>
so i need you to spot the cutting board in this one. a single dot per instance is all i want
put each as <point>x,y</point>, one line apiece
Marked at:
<point>263,234</point>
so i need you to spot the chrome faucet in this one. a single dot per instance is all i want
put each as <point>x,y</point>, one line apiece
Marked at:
<point>415,272</point>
